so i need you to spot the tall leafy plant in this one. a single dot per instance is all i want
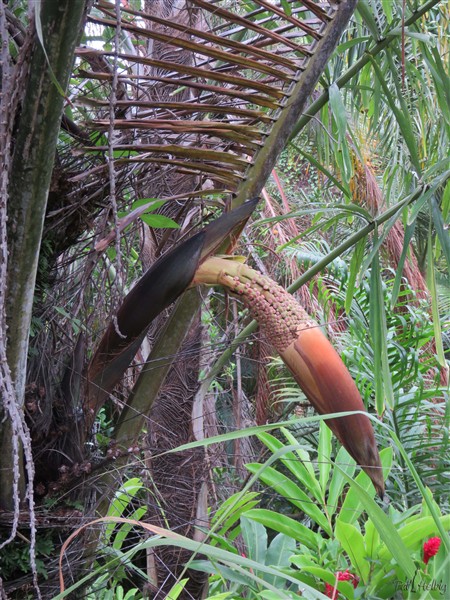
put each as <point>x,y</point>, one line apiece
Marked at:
<point>380,554</point>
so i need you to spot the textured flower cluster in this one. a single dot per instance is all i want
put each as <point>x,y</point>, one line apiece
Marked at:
<point>431,548</point>
<point>331,591</point>
<point>279,315</point>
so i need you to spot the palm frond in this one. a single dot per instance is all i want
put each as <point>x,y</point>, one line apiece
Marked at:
<point>204,88</point>
<point>266,61</point>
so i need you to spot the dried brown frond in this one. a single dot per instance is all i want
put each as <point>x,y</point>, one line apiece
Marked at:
<point>366,191</point>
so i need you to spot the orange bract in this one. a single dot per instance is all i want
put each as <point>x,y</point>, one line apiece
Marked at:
<point>314,363</point>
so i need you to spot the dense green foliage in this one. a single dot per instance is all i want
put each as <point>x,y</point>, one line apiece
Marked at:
<point>353,221</point>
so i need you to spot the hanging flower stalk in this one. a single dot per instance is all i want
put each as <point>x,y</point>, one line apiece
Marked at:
<point>314,363</point>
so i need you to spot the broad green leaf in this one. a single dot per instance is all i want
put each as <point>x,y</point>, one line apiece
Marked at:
<point>418,206</point>
<point>292,492</point>
<point>371,540</point>
<point>287,525</point>
<point>428,500</point>
<point>346,464</point>
<point>230,511</point>
<point>122,499</point>
<point>415,533</point>
<point>279,553</point>
<point>286,7</point>
<point>125,529</point>
<point>280,550</point>
<point>176,590</point>
<point>402,115</point>
<point>117,154</point>
<point>302,454</point>
<point>353,506</point>
<point>325,117</point>
<point>228,574</point>
<point>236,563</point>
<point>350,43</point>
<point>338,109</point>
<point>225,542</point>
<point>385,527</point>
<point>246,575</point>
<point>303,561</point>
<point>378,241</point>
<point>249,431</point>
<point>387,7</point>
<point>423,37</point>
<point>118,592</point>
<point>319,208</point>
<point>159,221</point>
<point>346,162</point>
<point>153,203</point>
<point>352,541</point>
<point>295,465</point>
<point>366,84</point>
<point>376,299</point>
<point>342,152</point>
<point>445,203</point>
<point>254,535</point>
<point>368,16</point>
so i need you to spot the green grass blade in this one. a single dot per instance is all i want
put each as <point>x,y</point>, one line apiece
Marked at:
<point>237,563</point>
<point>385,527</point>
<point>409,231</point>
<point>324,455</point>
<point>318,165</point>
<point>354,269</point>
<point>443,534</point>
<point>401,116</point>
<point>441,229</point>
<point>376,333</point>
<point>431,284</point>
<point>378,329</point>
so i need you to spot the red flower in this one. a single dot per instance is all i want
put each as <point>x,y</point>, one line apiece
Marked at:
<point>430,548</point>
<point>331,591</point>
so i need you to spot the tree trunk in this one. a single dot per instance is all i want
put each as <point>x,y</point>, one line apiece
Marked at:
<point>37,122</point>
